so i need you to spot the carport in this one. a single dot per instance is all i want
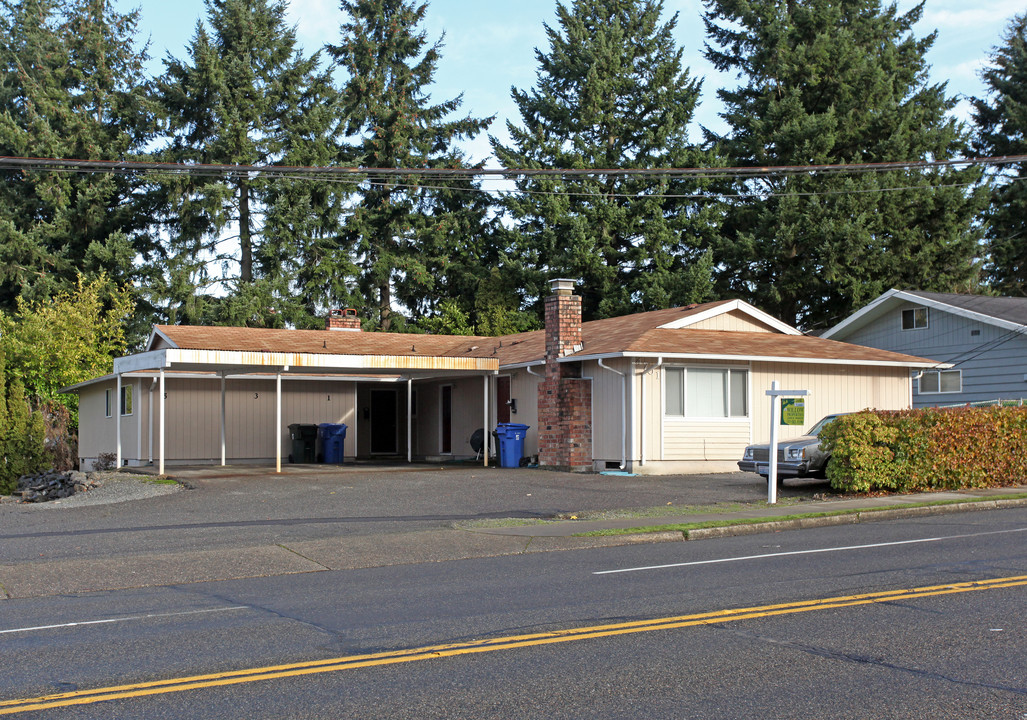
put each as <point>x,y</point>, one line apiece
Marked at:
<point>193,352</point>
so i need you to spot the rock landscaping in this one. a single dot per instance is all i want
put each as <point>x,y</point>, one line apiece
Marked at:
<point>52,485</point>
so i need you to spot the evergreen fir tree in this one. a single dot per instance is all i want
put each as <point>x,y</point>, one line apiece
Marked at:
<point>826,82</point>
<point>71,86</point>
<point>1001,120</point>
<point>612,92</point>
<point>400,232</point>
<point>246,95</point>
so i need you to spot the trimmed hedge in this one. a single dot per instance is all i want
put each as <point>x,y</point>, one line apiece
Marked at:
<point>927,449</point>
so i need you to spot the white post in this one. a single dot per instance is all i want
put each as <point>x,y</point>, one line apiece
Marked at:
<point>410,426</point>
<point>222,418</point>
<point>772,476</point>
<point>162,418</point>
<point>278,423</point>
<point>149,425</point>
<point>485,421</point>
<point>117,419</point>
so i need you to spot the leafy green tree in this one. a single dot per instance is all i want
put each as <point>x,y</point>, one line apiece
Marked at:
<point>65,340</point>
<point>246,95</point>
<point>72,85</point>
<point>22,433</point>
<point>1001,120</point>
<point>401,230</point>
<point>612,92</point>
<point>826,82</point>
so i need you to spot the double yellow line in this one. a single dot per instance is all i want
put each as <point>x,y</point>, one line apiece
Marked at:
<point>431,652</point>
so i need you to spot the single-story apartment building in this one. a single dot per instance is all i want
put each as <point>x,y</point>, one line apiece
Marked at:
<point>676,390</point>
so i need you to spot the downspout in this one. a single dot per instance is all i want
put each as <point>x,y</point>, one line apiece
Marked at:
<point>623,414</point>
<point>530,372</point>
<point>641,405</point>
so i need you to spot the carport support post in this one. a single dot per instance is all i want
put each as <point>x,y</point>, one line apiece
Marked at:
<point>162,423</point>
<point>485,420</point>
<point>117,419</point>
<point>410,426</point>
<point>222,418</point>
<point>278,422</point>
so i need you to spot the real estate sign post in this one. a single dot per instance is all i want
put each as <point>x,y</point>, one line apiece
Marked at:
<point>774,394</point>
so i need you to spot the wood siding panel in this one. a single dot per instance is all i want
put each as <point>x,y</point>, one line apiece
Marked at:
<point>607,409</point>
<point>835,388</point>
<point>734,320</point>
<point>524,388</point>
<point>698,440</point>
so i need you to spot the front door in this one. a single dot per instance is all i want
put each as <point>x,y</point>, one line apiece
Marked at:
<point>446,419</point>
<point>503,399</point>
<point>383,422</point>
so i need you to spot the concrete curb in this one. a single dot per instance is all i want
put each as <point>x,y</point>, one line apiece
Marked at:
<point>854,518</point>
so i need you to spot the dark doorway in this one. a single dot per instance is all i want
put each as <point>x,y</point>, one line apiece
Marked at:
<point>383,422</point>
<point>503,399</point>
<point>446,429</point>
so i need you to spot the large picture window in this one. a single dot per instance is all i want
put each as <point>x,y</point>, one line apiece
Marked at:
<point>941,381</point>
<point>700,392</point>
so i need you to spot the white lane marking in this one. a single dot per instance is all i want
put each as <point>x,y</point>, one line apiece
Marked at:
<point>807,552</point>
<point>121,619</point>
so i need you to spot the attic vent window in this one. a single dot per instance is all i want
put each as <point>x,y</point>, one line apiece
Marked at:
<point>914,318</point>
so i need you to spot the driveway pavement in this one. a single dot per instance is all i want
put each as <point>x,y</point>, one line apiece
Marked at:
<point>247,522</point>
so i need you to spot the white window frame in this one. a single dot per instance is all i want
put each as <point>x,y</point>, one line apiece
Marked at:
<point>684,387</point>
<point>914,326</point>
<point>938,374</point>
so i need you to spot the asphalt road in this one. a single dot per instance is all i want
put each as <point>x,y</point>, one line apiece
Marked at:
<point>957,651</point>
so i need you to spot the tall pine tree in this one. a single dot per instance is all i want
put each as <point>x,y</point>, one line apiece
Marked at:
<point>1001,120</point>
<point>71,86</point>
<point>825,82</point>
<point>401,229</point>
<point>246,95</point>
<point>612,93</point>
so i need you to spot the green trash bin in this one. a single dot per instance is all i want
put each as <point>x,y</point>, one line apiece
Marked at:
<point>304,442</point>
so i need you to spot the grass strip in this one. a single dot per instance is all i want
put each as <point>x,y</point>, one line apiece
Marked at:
<point>685,527</point>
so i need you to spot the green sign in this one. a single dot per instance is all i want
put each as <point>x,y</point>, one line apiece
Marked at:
<point>793,411</point>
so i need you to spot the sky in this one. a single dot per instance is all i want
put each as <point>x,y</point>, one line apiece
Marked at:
<point>489,47</point>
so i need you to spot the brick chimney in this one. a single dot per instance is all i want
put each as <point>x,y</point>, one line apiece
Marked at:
<point>564,397</point>
<point>343,320</point>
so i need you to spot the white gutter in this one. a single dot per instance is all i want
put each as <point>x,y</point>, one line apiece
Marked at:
<point>641,405</point>
<point>623,414</point>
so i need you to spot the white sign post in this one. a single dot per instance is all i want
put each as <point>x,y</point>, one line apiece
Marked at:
<point>774,394</point>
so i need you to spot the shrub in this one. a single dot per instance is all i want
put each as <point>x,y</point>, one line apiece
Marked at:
<point>928,449</point>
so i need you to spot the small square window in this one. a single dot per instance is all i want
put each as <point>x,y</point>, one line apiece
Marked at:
<point>914,318</point>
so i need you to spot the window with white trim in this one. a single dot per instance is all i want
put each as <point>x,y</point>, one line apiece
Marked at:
<point>914,318</point>
<point>126,399</point>
<point>941,381</point>
<point>706,392</point>
<point>108,411</point>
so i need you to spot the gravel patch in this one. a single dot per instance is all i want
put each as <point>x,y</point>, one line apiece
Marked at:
<point>115,488</point>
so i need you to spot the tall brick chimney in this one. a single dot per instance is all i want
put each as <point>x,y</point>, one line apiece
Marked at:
<point>343,320</point>
<point>564,397</point>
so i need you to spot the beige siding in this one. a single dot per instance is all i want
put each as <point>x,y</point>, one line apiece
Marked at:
<point>706,440</point>
<point>735,320</point>
<point>467,416</point>
<point>524,389</point>
<point>835,388</point>
<point>607,409</point>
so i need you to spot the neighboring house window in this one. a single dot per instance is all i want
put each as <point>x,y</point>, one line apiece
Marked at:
<point>914,318</point>
<point>107,402</point>
<point>126,399</point>
<point>941,381</point>
<point>707,392</point>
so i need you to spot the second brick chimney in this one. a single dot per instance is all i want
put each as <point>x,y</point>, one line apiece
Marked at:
<point>343,320</point>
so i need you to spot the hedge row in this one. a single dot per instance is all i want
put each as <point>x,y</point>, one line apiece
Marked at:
<point>927,449</point>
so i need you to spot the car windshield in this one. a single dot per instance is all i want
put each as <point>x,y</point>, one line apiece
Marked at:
<point>815,430</point>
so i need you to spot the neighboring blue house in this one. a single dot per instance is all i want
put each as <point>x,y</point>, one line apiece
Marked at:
<point>980,342</point>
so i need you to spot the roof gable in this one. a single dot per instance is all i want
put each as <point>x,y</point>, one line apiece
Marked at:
<point>1007,313</point>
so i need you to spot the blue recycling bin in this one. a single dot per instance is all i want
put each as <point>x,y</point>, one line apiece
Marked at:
<point>511,443</point>
<point>331,438</point>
